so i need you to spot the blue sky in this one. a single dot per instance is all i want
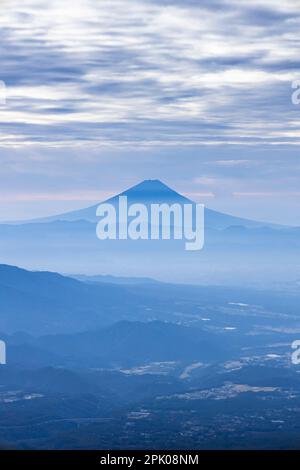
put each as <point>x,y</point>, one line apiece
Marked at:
<point>102,94</point>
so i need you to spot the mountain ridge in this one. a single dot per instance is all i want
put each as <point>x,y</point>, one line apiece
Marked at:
<point>147,192</point>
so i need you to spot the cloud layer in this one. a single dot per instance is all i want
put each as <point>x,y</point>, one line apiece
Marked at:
<point>149,72</point>
<point>104,93</point>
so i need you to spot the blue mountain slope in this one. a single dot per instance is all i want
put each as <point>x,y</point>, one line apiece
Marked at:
<point>41,302</point>
<point>236,250</point>
<point>154,191</point>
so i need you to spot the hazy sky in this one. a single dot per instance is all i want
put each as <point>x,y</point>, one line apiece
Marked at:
<point>102,94</point>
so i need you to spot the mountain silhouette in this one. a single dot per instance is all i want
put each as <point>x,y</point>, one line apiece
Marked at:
<point>156,192</point>
<point>47,302</point>
<point>236,250</point>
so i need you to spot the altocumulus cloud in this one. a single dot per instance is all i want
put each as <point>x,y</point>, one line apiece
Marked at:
<point>128,72</point>
<point>104,93</point>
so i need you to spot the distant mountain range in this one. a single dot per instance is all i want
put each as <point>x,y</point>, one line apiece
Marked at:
<point>51,320</point>
<point>45,302</point>
<point>154,192</point>
<point>41,303</point>
<point>123,344</point>
<point>236,250</point>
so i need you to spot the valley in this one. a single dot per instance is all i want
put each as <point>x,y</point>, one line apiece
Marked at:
<point>93,364</point>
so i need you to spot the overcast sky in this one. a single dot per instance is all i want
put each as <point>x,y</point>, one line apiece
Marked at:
<point>102,94</point>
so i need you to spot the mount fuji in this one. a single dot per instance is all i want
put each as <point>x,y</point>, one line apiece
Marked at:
<point>236,250</point>
<point>154,192</point>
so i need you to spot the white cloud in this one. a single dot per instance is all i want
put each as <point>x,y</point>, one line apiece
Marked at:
<point>141,71</point>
